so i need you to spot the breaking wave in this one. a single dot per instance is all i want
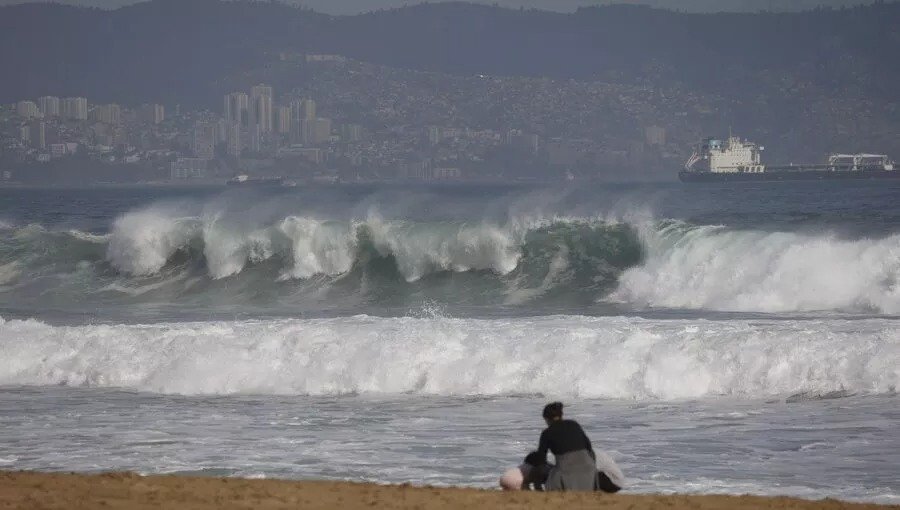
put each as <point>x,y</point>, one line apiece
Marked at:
<point>143,243</point>
<point>717,268</point>
<point>160,254</point>
<point>578,356</point>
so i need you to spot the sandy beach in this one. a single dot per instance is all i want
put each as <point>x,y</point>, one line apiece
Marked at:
<point>26,490</point>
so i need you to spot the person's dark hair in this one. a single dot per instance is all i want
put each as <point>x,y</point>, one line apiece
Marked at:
<point>553,410</point>
<point>535,459</point>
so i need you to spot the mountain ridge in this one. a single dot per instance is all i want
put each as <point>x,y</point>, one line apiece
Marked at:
<point>184,51</point>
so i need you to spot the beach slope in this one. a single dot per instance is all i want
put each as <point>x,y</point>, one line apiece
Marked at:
<point>24,490</point>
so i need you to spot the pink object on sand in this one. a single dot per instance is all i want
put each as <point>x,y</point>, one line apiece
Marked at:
<point>512,479</point>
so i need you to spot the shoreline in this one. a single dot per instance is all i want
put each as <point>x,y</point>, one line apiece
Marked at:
<point>129,491</point>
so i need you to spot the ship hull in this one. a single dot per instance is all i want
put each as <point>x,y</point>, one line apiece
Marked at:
<point>257,183</point>
<point>775,176</point>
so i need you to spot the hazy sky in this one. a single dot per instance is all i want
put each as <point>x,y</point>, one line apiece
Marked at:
<point>355,6</point>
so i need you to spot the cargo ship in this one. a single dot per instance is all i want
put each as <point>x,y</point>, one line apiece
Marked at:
<point>734,159</point>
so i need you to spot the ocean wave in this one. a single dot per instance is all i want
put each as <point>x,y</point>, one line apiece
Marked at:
<point>636,262</point>
<point>566,356</point>
<point>143,243</point>
<point>716,268</point>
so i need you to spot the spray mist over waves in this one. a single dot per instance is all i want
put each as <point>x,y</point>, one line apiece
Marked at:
<point>562,355</point>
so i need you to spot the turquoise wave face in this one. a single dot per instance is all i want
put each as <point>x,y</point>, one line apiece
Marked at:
<point>151,256</point>
<point>293,265</point>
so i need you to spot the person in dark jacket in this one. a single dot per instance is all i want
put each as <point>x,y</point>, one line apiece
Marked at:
<point>576,462</point>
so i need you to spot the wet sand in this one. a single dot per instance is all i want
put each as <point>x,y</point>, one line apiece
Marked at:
<point>23,490</point>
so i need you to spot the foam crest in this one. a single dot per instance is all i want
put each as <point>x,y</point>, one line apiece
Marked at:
<point>142,242</point>
<point>720,269</point>
<point>557,356</point>
<point>228,249</point>
<point>319,247</point>
<point>422,249</point>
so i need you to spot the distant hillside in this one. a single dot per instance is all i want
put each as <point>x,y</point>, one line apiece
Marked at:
<point>180,51</point>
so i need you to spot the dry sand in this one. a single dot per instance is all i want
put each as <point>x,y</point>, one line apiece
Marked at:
<point>34,491</point>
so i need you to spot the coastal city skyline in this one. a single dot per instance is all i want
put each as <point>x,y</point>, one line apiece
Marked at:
<point>267,132</point>
<point>394,103</point>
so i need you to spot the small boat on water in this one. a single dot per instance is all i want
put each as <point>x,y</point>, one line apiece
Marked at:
<point>246,180</point>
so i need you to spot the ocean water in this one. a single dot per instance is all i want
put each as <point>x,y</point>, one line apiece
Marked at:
<point>711,338</point>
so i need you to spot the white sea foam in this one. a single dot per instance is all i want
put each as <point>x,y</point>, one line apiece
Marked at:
<point>423,249</point>
<point>228,249</point>
<point>563,355</point>
<point>89,237</point>
<point>722,269</point>
<point>142,242</point>
<point>319,247</point>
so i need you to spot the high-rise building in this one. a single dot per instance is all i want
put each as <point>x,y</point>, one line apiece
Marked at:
<point>307,109</point>
<point>307,131</point>
<point>107,113</point>
<point>435,135</point>
<point>27,109</point>
<point>38,134</point>
<point>296,118</point>
<point>221,131</point>
<point>25,134</point>
<point>655,135</point>
<point>253,138</point>
<point>283,120</point>
<point>237,105</point>
<point>262,113</point>
<point>323,130</point>
<point>260,90</point>
<point>351,133</point>
<point>152,113</point>
<point>49,106</point>
<point>113,114</point>
<point>233,139</point>
<point>261,107</point>
<point>204,143</point>
<point>75,108</point>
<point>228,111</point>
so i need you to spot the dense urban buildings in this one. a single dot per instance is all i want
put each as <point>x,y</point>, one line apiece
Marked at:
<point>333,128</point>
<point>350,121</point>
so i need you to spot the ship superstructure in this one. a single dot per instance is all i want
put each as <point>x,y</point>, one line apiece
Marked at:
<point>726,156</point>
<point>735,159</point>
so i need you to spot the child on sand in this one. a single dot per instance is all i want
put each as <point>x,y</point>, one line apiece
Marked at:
<point>532,473</point>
